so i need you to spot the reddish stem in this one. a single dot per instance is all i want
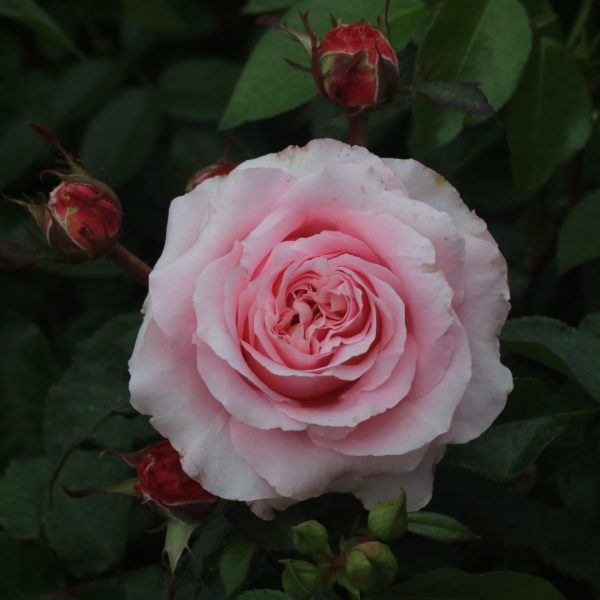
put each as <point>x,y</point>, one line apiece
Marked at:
<point>358,129</point>
<point>135,267</point>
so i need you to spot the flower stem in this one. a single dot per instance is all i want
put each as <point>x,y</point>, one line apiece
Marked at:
<point>357,129</point>
<point>135,267</point>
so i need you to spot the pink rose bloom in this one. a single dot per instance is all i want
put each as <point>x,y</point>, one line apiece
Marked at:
<point>322,320</point>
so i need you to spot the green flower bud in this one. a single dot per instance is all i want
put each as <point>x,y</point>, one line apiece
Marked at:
<point>301,579</point>
<point>381,571</point>
<point>358,567</point>
<point>388,520</point>
<point>309,537</point>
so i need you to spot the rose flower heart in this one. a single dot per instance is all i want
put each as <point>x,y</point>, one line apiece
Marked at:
<point>322,320</point>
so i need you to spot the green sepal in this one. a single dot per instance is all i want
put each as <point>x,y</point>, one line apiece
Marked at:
<point>439,528</point>
<point>176,540</point>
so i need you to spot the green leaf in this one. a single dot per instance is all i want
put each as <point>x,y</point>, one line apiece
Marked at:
<point>27,369</point>
<point>439,528</point>
<point>579,241</point>
<point>19,149</point>
<point>84,87</point>
<point>591,324</point>
<point>210,537</point>
<point>30,14</point>
<point>269,86</point>
<point>196,89</point>
<point>21,493</point>
<point>27,572</point>
<point>176,540</point>
<point>256,7</point>
<point>263,595</point>
<point>122,135</point>
<point>523,525</point>
<point>89,534</point>
<point>234,563</point>
<point>459,95</point>
<point>452,584</point>
<point>549,118</point>
<point>534,418</point>
<point>467,41</point>
<point>154,14</point>
<point>94,387</point>
<point>152,582</point>
<point>11,52</point>
<point>558,346</point>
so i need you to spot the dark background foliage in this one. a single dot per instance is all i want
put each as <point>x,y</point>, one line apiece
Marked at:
<point>146,92</point>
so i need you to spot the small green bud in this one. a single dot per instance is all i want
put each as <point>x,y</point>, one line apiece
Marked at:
<point>309,537</point>
<point>301,579</point>
<point>388,520</point>
<point>358,567</point>
<point>382,566</point>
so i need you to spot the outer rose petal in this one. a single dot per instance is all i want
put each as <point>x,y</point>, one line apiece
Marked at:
<point>195,424</point>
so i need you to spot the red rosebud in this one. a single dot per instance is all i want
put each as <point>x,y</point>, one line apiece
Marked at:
<point>162,481</point>
<point>81,219</point>
<point>219,169</point>
<point>358,66</point>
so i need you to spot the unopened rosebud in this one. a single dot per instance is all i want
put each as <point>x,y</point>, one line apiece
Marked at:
<point>219,169</point>
<point>358,67</point>
<point>309,537</point>
<point>388,520</point>
<point>81,219</point>
<point>301,580</point>
<point>163,483</point>
<point>371,566</point>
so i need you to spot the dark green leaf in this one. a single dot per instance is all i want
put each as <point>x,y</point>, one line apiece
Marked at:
<point>28,571</point>
<point>26,371</point>
<point>459,95</point>
<point>11,53</point>
<point>255,7</point>
<point>557,346</point>
<point>234,563</point>
<point>533,419</point>
<point>591,324</point>
<point>579,241</point>
<point>263,595</point>
<point>89,534</point>
<point>439,528</point>
<point>21,493</point>
<point>30,14</point>
<point>452,584</point>
<point>197,89</point>
<point>467,41</point>
<point>523,525</point>
<point>86,86</point>
<point>19,149</point>
<point>121,136</point>
<point>269,86</point>
<point>152,582</point>
<point>550,116</point>
<point>154,14</point>
<point>94,387</point>
<point>210,536</point>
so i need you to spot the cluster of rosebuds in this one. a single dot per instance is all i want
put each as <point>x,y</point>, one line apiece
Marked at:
<point>364,563</point>
<point>354,65</point>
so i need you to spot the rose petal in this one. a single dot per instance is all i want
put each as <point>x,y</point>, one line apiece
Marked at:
<point>195,424</point>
